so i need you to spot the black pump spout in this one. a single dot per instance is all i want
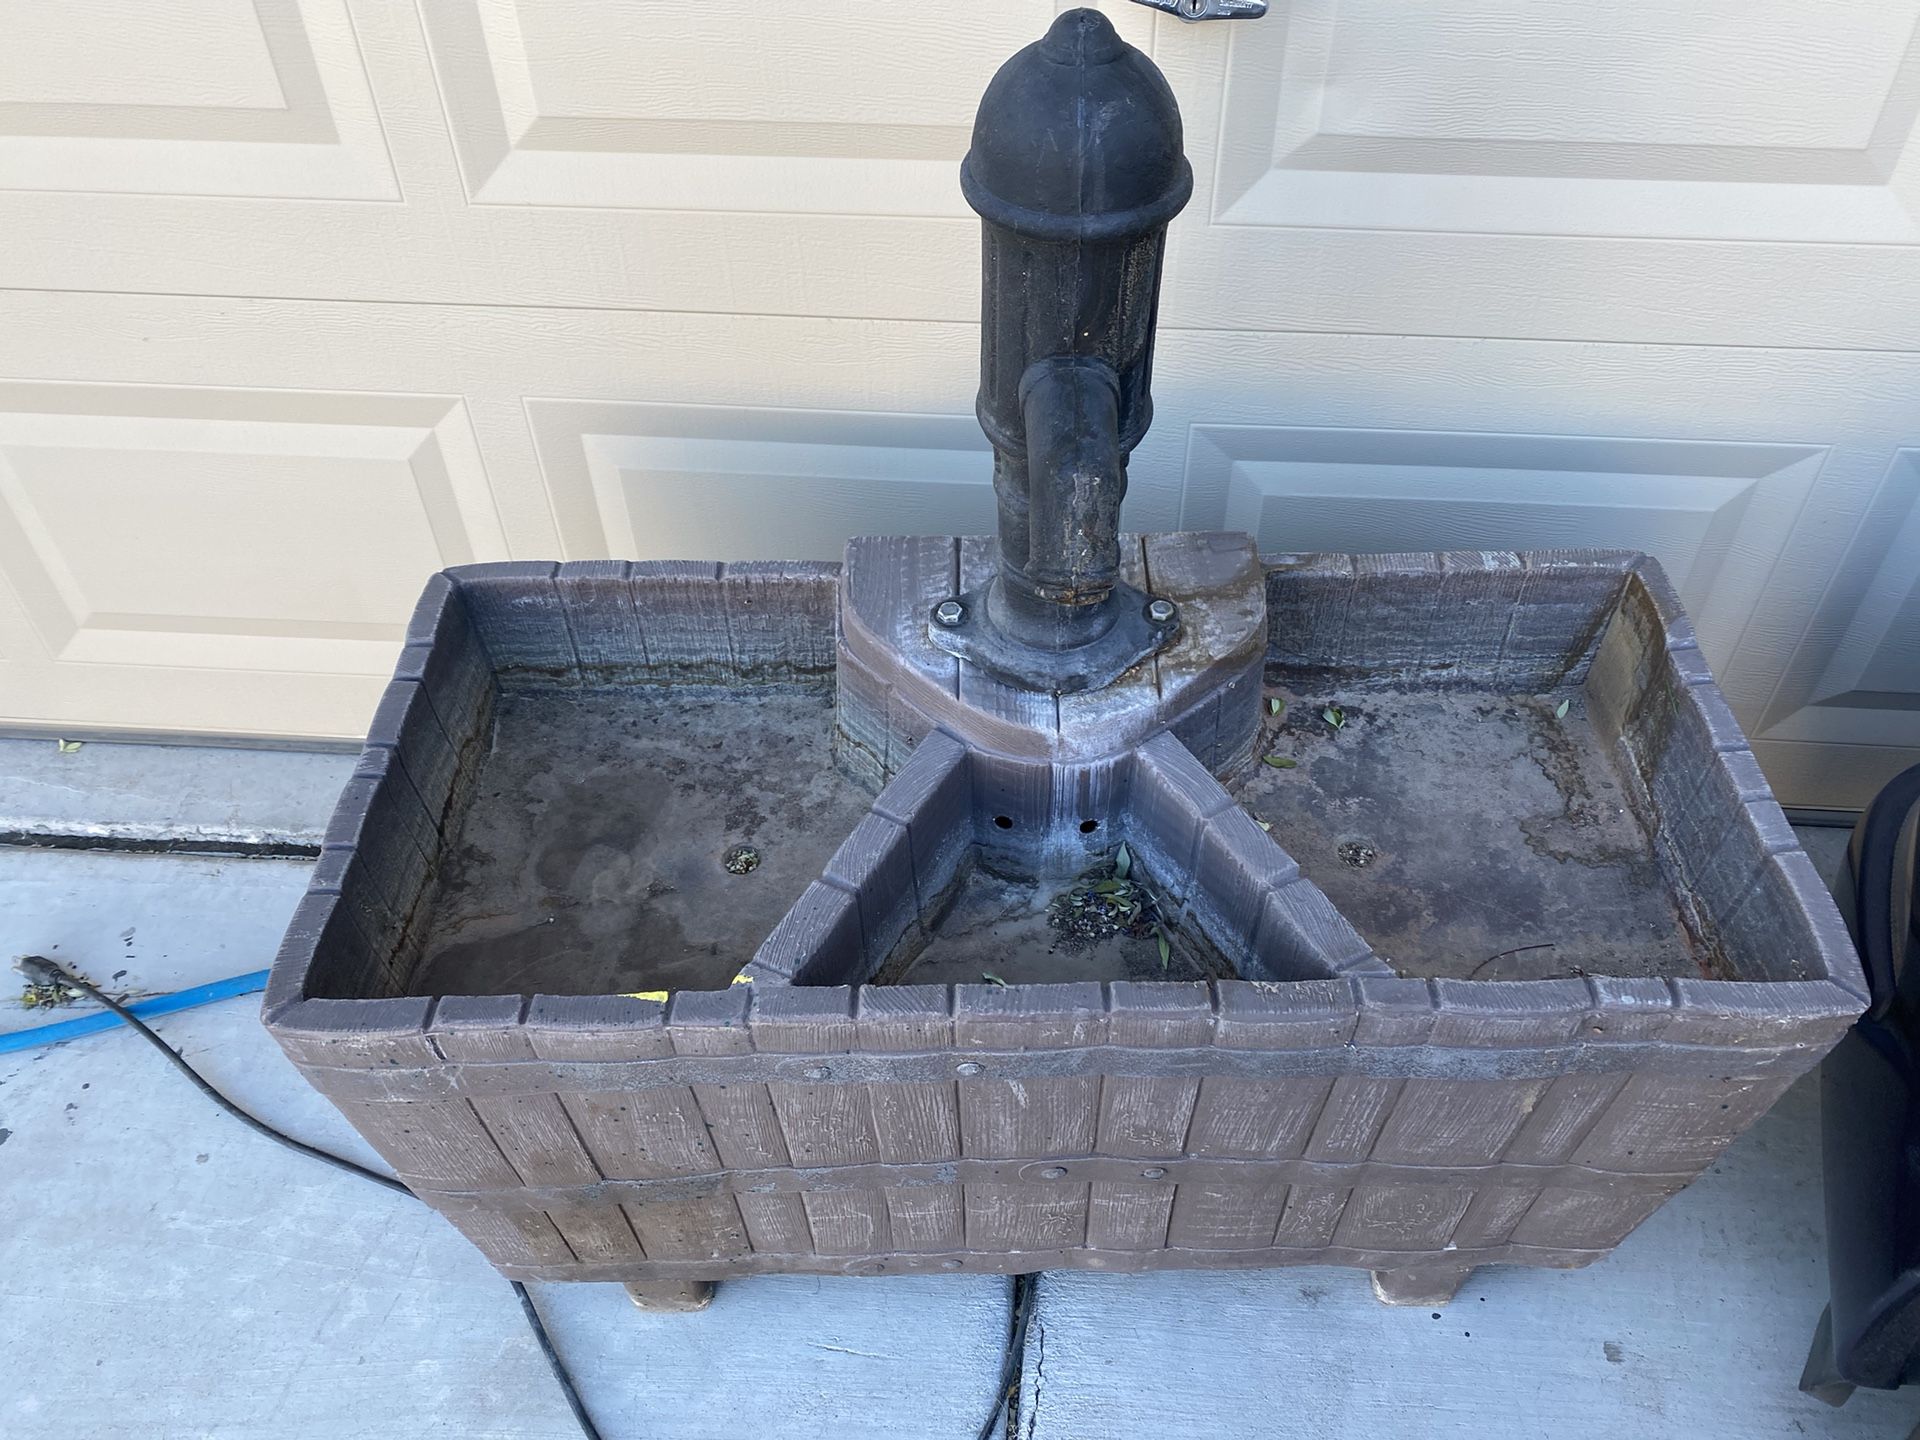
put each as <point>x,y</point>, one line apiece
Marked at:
<point>1076,170</point>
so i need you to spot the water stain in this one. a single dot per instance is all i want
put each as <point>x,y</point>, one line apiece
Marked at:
<point>590,859</point>
<point>1470,834</point>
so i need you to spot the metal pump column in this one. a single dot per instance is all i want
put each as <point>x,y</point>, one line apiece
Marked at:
<point>1076,170</point>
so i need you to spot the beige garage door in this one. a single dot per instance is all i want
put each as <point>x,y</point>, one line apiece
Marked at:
<point>311,297</point>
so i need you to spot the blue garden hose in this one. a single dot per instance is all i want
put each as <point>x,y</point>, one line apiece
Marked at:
<point>248,984</point>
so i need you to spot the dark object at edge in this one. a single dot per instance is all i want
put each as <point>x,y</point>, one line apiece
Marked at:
<point>1870,1119</point>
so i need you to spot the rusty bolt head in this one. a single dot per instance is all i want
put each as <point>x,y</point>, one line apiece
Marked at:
<point>949,613</point>
<point>1160,612</point>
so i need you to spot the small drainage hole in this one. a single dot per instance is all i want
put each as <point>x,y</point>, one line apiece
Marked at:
<point>1005,822</point>
<point>1087,827</point>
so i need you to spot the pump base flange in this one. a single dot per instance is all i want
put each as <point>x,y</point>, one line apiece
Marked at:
<point>1133,636</point>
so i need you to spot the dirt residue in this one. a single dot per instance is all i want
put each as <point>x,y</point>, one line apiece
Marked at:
<point>594,855</point>
<point>1469,834</point>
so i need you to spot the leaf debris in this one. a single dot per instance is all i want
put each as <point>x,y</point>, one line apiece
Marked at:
<point>1104,902</point>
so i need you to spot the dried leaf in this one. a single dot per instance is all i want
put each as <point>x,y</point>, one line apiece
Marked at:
<point>1560,710</point>
<point>1166,950</point>
<point>1109,887</point>
<point>1122,861</point>
<point>1334,716</point>
<point>993,979</point>
<point>1282,762</point>
<point>1263,824</point>
<point>1275,705</point>
<point>67,747</point>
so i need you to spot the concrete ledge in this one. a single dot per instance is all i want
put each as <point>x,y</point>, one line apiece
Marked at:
<point>188,797</point>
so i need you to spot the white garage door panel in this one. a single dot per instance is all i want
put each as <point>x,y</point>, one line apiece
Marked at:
<point>534,278</point>
<point>1551,169</point>
<point>1713,120</point>
<point>727,255</point>
<point>1846,712</point>
<point>150,535</point>
<point>261,99</point>
<point>674,482</point>
<point>1697,504</point>
<point>1638,73</point>
<point>142,57</point>
<point>660,105</point>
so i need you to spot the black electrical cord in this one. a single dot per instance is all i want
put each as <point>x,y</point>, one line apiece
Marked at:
<point>43,971</point>
<point>1022,1301</point>
<point>574,1402</point>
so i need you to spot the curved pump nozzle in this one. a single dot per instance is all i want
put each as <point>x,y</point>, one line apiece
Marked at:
<point>1061,556</point>
<point>1076,170</point>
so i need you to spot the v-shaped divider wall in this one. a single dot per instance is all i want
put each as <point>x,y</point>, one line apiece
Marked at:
<point>1206,857</point>
<point>1416,1127</point>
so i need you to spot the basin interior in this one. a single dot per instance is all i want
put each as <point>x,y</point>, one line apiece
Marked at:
<point>589,857</point>
<point>1470,834</point>
<point>1489,769</point>
<point>1022,931</point>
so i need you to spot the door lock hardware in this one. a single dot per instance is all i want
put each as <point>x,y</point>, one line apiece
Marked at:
<point>1195,10</point>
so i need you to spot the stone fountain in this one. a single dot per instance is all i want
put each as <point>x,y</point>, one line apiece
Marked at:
<point>1063,897</point>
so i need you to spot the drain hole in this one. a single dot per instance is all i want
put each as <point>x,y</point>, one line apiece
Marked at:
<point>1005,822</point>
<point>1087,827</point>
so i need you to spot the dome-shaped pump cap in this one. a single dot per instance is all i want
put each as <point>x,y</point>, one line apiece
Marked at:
<point>1078,138</point>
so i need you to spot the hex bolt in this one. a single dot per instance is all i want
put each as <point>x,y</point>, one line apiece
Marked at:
<point>1160,612</point>
<point>1054,1172</point>
<point>949,613</point>
<point>1153,1172</point>
<point>968,1067</point>
<point>816,1072</point>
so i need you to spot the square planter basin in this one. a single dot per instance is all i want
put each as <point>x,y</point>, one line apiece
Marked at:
<point>1507,948</point>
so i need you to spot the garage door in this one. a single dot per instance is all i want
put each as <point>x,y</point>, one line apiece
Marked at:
<point>311,297</point>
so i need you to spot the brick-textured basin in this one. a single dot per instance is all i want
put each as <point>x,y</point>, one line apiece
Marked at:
<point>638,1066</point>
